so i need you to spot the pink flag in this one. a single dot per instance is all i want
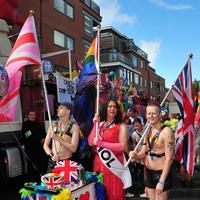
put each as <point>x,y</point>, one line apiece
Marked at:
<point>25,52</point>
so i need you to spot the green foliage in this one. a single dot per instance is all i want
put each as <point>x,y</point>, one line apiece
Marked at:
<point>196,85</point>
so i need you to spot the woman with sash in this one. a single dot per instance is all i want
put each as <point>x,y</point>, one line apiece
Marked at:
<point>111,142</point>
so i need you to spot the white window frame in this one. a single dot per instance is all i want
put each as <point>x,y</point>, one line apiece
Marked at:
<point>63,40</point>
<point>65,8</point>
<point>88,26</point>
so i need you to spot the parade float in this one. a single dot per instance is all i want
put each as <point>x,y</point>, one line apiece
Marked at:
<point>68,181</point>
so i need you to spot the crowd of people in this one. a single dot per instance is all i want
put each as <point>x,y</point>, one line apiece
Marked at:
<point>113,140</point>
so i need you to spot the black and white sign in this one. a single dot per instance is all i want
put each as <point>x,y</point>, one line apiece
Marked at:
<point>66,89</point>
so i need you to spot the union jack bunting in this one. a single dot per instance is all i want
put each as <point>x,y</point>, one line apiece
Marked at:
<point>185,142</point>
<point>68,169</point>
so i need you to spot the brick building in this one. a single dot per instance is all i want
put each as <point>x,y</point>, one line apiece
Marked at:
<point>122,56</point>
<point>68,24</point>
<point>60,25</point>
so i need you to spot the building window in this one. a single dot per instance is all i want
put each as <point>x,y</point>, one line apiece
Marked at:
<point>151,84</point>
<point>88,26</point>
<point>63,40</point>
<point>87,2</point>
<point>64,8</point>
<point>134,61</point>
<point>136,79</point>
<point>142,64</point>
<point>86,45</point>
<point>145,83</point>
<point>141,82</point>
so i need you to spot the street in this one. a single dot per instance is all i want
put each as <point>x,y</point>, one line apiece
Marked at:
<point>11,190</point>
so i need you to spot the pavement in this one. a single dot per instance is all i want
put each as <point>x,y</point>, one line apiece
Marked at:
<point>179,192</point>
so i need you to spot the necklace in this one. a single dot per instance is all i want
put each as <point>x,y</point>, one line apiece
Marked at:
<point>62,129</point>
<point>152,139</point>
<point>105,127</point>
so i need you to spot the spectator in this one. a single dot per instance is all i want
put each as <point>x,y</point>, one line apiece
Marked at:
<point>138,166</point>
<point>33,138</point>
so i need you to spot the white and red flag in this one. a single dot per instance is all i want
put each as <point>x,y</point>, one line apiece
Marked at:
<point>185,140</point>
<point>25,52</point>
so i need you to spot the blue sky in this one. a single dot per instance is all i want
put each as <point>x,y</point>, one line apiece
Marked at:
<point>167,30</point>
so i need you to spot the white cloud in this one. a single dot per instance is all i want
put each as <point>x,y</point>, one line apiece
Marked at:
<point>168,6</point>
<point>112,14</point>
<point>152,48</point>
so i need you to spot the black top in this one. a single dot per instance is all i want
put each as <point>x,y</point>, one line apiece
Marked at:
<point>32,135</point>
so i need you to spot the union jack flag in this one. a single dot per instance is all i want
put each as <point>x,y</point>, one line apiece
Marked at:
<point>185,142</point>
<point>68,169</point>
<point>53,181</point>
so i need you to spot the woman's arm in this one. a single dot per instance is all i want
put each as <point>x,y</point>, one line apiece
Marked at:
<point>120,146</point>
<point>92,135</point>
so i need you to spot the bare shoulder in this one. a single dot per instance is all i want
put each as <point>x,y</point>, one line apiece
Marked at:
<point>168,133</point>
<point>75,126</point>
<point>123,126</point>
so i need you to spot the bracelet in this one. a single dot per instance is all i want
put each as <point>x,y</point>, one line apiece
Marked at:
<point>161,182</point>
<point>144,143</point>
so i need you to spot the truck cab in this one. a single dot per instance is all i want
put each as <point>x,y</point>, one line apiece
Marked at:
<point>12,159</point>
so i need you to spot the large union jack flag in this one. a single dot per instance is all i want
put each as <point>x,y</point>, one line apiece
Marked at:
<point>182,91</point>
<point>68,169</point>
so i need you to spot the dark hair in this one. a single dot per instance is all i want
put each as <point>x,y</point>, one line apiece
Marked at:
<point>31,110</point>
<point>68,106</point>
<point>103,111</point>
<point>137,119</point>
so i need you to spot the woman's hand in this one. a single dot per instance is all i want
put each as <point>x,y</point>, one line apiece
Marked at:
<point>95,141</point>
<point>96,118</point>
<point>133,155</point>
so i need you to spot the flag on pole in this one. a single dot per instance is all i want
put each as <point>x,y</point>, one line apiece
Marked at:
<point>185,140</point>
<point>84,103</point>
<point>25,52</point>
<point>89,72</point>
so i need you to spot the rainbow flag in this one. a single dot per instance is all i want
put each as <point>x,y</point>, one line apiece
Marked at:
<point>84,102</point>
<point>88,74</point>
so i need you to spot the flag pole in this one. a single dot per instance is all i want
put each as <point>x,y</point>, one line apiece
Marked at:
<point>98,75</point>
<point>148,125</point>
<point>31,13</point>
<point>46,99</point>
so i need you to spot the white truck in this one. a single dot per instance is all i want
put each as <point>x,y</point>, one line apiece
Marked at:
<point>12,159</point>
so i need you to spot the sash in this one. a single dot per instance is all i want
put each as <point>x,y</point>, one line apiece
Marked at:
<point>112,163</point>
